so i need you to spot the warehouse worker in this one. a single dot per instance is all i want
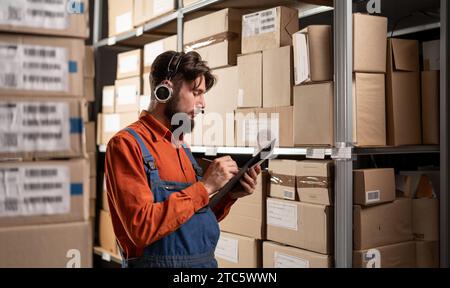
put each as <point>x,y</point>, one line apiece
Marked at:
<point>157,196</point>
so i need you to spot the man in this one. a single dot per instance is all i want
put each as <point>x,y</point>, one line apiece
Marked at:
<point>157,196</point>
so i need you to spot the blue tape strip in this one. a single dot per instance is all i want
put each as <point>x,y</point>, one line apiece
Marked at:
<point>81,7</point>
<point>76,125</point>
<point>76,189</point>
<point>73,67</point>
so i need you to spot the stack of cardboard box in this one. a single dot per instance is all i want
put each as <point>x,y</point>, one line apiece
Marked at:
<point>44,196</point>
<point>299,215</point>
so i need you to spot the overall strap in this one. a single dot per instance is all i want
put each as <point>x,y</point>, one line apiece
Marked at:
<point>197,168</point>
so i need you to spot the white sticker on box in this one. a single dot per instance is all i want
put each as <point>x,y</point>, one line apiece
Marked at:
<point>287,261</point>
<point>290,195</point>
<point>34,126</point>
<point>129,64</point>
<point>151,51</point>
<point>34,190</point>
<point>372,196</point>
<point>33,67</point>
<point>111,123</point>
<point>126,95</point>
<point>124,22</point>
<point>282,214</point>
<point>108,98</point>
<point>35,14</point>
<point>259,22</point>
<point>315,153</point>
<point>162,6</point>
<point>301,61</point>
<point>227,248</point>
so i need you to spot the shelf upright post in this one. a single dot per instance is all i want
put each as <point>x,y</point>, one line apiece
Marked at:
<point>444,139</point>
<point>180,26</point>
<point>98,16</point>
<point>343,54</point>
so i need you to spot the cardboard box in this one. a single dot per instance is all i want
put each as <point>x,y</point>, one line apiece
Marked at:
<point>42,65</point>
<point>92,209</point>
<point>189,2</point>
<point>432,55</point>
<point>427,254</point>
<point>23,17</point>
<point>302,225</point>
<point>382,225</point>
<point>259,126</point>
<point>129,64</point>
<point>268,29</point>
<point>110,124</point>
<point>425,219</point>
<point>403,93</point>
<point>369,43</point>
<point>146,10</point>
<point>281,256</point>
<point>401,255</point>
<point>373,186</point>
<point>250,71</point>
<point>314,115</point>
<point>93,188</point>
<point>419,184</point>
<point>223,22</point>
<point>313,54</point>
<point>247,215</point>
<point>221,54</point>
<point>91,146</point>
<point>89,62</point>
<point>127,94</point>
<point>283,178</point>
<point>315,183</point>
<point>23,136</point>
<point>430,107</point>
<point>60,192</point>
<point>120,16</point>
<point>108,99</point>
<point>92,164</point>
<point>369,110</point>
<point>47,246</point>
<point>154,49</point>
<point>107,237</point>
<point>277,77</point>
<point>234,251</point>
<point>89,90</point>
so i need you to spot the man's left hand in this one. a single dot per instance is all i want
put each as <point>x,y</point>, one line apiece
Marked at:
<point>248,183</point>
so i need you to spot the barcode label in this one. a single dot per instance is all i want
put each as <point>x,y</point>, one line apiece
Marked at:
<point>260,22</point>
<point>50,14</point>
<point>34,126</point>
<point>34,190</point>
<point>9,80</point>
<point>372,196</point>
<point>288,195</point>
<point>268,20</point>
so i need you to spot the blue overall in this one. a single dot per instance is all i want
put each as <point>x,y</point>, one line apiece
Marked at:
<point>192,245</point>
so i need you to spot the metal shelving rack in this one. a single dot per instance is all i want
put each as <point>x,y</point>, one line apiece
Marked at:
<point>343,106</point>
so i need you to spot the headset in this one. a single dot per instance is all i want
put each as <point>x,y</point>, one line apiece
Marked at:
<point>163,93</point>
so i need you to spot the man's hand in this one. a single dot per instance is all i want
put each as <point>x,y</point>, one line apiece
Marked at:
<point>219,173</point>
<point>248,184</point>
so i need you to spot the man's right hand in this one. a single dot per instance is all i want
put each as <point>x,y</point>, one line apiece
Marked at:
<point>219,173</point>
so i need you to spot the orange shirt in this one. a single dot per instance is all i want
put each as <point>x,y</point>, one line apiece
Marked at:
<point>137,220</point>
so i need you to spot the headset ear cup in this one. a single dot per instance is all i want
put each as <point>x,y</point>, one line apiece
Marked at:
<point>163,93</point>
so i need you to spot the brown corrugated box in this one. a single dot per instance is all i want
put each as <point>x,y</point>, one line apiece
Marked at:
<point>425,222</point>
<point>247,215</point>
<point>93,188</point>
<point>129,64</point>
<point>401,255</point>
<point>110,124</point>
<point>277,77</point>
<point>373,186</point>
<point>75,24</point>
<point>250,70</point>
<point>430,107</point>
<point>369,109</point>
<point>382,225</point>
<point>146,10</point>
<point>120,16</point>
<point>234,251</point>
<point>403,93</point>
<point>224,21</point>
<point>369,43</point>
<point>77,186</point>
<point>313,54</point>
<point>55,71</point>
<point>221,54</point>
<point>127,92</point>
<point>313,112</point>
<point>315,181</point>
<point>47,246</point>
<point>89,92</point>
<point>427,254</point>
<point>89,62</point>
<point>432,55</point>
<point>12,138</point>
<point>282,182</point>
<point>91,146</point>
<point>108,99</point>
<point>107,237</point>
<point>268,29</point>
<point>301,225</point>
<point>153,49</point>
<point>92,164</point>
<point>276,255</point>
